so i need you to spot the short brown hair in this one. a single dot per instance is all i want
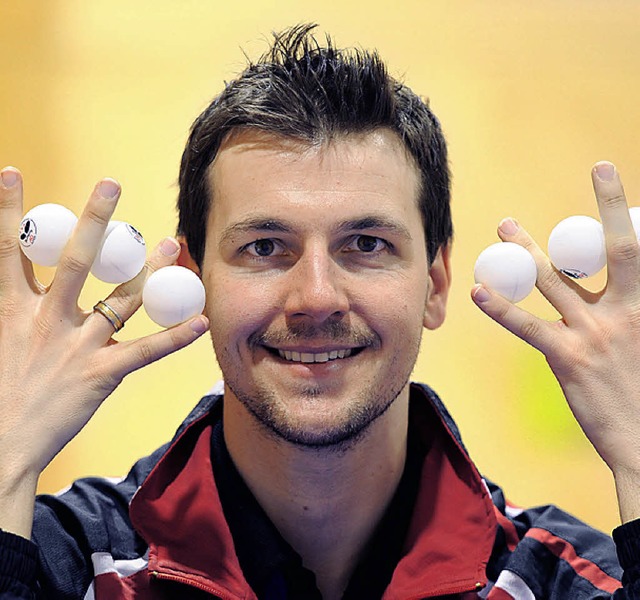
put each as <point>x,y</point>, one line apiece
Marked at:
<point>312,92</point>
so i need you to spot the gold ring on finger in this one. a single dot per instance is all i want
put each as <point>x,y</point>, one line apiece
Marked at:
<point>109,314</point>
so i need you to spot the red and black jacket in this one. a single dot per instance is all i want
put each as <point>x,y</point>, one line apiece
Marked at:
<point>161,533</point>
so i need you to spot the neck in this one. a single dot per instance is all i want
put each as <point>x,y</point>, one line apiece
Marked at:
<point>326,503</point>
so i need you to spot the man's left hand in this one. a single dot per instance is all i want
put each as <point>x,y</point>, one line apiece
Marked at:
<point>594,349</point>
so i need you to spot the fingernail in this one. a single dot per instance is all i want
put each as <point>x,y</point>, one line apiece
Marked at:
<point>9,178</point>
<point>481,294</point>
<point>200,325</point>
<point>508,226</point>
<point>109,189</point>
<point>605,171</point>
<point>169,246</point>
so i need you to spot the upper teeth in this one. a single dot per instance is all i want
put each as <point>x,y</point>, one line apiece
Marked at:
<point>311,357</point>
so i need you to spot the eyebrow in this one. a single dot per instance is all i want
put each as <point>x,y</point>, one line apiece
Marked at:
<point>375,222</point>
<point>254,225</point>
<point>268,225</point>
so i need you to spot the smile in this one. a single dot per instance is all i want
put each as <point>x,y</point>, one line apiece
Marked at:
<point>311,357</point>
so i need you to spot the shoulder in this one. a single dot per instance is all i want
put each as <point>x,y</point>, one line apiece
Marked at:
<point>79,524</point>
<point>545,552</point>
<point>78,527</point>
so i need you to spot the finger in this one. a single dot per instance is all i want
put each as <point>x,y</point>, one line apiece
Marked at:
<point>127,298</point>
<point>79,253</point>
<point>15,270</point>
<point>131,355</point>
<point>535,331</point>
<point>564,294</point>
<point>623,252</point>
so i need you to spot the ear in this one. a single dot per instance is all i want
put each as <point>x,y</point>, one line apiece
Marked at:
<point>435,308</point>
<point>185,259</point>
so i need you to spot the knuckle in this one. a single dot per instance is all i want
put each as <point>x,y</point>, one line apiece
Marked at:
<point>548,279</point>
<point>624,249</point>
<point>10,305</point>
<point>74,264</point>
<point>498,309</point>
<point>151,266</point>
<point>568,362</point>
<point>633,319</point>
<point>529,329</point>
<point>94,214</point>
<point>598,339</point>
<point>145,352</point>
<point>176,335</point>
<point>120,297</point>
<point>131,288</point>
<point>613,201</point>
<point>502,312</point>
<point>102,381</point>
<point>8,246</point>
<point>43,327</point>
<point>9,198</point>
<point>154,263</point>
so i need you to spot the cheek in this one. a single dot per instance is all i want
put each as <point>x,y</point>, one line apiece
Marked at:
<point>396,312</point>
<point>404,321</point>
<point>236,306</point>
<point>401,297</point>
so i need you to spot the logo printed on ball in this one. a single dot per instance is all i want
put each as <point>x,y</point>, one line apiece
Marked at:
<point>574,273</point>
<point>135,234</point>
<point>28,232</point>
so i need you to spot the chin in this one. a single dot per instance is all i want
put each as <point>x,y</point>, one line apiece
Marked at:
<point>315,420</point>
<point>338,437</point>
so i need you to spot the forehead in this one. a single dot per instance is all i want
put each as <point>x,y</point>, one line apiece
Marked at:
<point>257,173</point>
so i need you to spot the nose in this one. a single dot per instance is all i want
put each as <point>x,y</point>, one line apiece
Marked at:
<point>316,288</point>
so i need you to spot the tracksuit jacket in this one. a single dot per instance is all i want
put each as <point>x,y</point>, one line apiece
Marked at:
<point>160,533</point>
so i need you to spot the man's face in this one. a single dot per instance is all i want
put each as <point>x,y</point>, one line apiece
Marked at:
<point>317,280</point>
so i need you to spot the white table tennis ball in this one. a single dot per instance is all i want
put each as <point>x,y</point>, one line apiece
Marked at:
<point>508,269</point>
<point>576,247</point>
<point>634,213</point>
<point>44,232</point>
<point>173,295</point>
<point>121,255</point>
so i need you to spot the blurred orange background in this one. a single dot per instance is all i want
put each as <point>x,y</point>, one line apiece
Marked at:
<point>530,96</point>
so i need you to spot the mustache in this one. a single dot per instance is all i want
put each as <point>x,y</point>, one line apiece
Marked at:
<point>331,331</point>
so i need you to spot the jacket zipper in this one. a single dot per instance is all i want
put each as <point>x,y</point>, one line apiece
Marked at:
<point>448,591</point>
<point>186,581</point>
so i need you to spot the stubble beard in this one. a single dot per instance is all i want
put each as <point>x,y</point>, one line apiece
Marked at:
<point>344,431</point>
<point>351,418</point>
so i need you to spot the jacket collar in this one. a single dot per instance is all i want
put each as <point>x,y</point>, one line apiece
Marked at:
<point>177,511</point>
<point>453,528</point>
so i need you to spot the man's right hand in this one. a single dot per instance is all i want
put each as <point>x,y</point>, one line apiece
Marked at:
<point>59,362</point>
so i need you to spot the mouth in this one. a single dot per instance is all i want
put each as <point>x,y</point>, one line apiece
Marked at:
<point>314,357</point>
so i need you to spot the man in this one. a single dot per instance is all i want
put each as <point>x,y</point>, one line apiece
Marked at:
<point>314,204</point>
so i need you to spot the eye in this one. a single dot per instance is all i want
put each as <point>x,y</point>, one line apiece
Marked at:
<point>263,247</point>
<point>367,244</point>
